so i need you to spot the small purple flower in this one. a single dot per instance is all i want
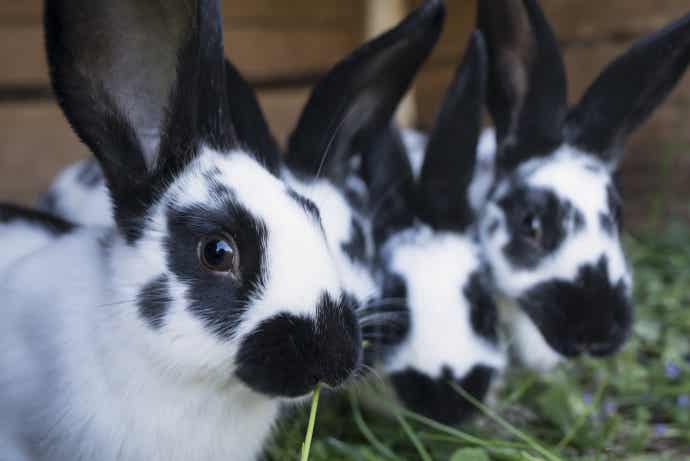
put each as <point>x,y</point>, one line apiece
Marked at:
<point>672,370</point>
<point>587,398</point>
<point>610,407</point>
<point>660,430</point>
<point>683,401</point>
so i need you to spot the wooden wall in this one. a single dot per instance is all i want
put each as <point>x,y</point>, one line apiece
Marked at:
<point>282,47</point>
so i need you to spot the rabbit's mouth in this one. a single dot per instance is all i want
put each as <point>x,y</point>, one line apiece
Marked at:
<point>585,316</point>
<point>286,356</point>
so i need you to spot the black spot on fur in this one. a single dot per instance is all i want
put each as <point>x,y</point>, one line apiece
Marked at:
<point>493,227</point>
<point>42,220</point>
<point>309,206</point>
<point>483,313</point>
<point>154,301</point>
<point>217,299</point>
<point>578,220</point>
<point>356,248</point>
<point>585,315</point>
<point>607,223</point>
<point>436,398</point>
<point>543,204</point>
<point>615,205</point>
<point>288,355</point>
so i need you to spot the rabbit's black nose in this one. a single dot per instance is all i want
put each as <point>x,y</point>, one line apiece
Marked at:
<point>287,355</point>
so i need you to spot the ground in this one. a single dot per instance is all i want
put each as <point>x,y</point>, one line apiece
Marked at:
<point>632,407</point>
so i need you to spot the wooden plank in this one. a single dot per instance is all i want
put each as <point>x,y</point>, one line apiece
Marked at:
<point>595,19</point>
<point>37,142</point>
<point>303,12</point>
<point>260,53</point>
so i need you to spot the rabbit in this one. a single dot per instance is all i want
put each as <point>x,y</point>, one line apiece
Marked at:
<point>179,331</point>
<point>429,263</point>
<point>24,230</point>
<point>550,225</point>
<point>318,159</point>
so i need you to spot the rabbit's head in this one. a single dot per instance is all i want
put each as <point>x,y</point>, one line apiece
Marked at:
<point>347,111</point>
<point>231,273</point>
<point>550,229</point>
<point>429,262</point>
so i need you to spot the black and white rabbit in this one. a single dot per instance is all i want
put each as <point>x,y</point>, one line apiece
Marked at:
<point>429,261</point>
<point>343,116</point>
<point>176,333</point>
<point>550,227</point>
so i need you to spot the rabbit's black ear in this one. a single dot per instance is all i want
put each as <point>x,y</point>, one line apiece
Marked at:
<point>628,91</point>
<point>141,83</point>
<point>357,99</point>
<point>387,172</point>
<point>452,149</point>
<point>526,95</point>
<point>249,121</point>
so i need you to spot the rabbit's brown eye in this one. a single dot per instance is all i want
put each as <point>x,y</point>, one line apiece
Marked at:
<point>531,228</point>
<point>219,253</point>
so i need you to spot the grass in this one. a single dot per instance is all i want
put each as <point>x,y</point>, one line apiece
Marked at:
<point>632,407</point>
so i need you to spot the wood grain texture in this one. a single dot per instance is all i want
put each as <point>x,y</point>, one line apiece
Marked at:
<point>36,141</point>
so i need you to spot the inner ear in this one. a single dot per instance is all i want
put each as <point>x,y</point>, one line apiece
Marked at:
<point>357,99</point>
<point>451,153</point>
<point>527,93</point>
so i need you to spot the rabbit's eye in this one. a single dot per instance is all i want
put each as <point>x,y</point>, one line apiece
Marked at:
<point>531,228</point>
<point>219,253</point>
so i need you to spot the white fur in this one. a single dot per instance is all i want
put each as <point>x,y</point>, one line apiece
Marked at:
<point>79,203</point>
<point>84,377</point>
<point>436,267</point>
<point>336,217</point>
<point>19,239</point>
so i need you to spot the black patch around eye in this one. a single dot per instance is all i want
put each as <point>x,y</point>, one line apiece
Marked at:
<point>552,214</point>
<point>483,314</point>
<point>42,220</point>
<point>218,300</point>
<point>309,206</point>
<point>437,398</point>
<point>90,174</point>
<point>356,248</point>
<point>154,301</point>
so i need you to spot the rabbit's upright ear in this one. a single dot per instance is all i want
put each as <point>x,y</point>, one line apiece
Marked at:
<point>628,91</point>
<point>387,172</point>
<point>356,100</point>
<point>452,149</point>
<point>527,82</point>
<point>142,84</point>
<point>249,120</point>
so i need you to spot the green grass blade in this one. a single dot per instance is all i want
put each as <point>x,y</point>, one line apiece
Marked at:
<point>536,446</point>
<point>423,453</point>
<point>306,445</point>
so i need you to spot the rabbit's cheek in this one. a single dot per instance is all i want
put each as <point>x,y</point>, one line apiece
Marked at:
<point>287,355</point>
